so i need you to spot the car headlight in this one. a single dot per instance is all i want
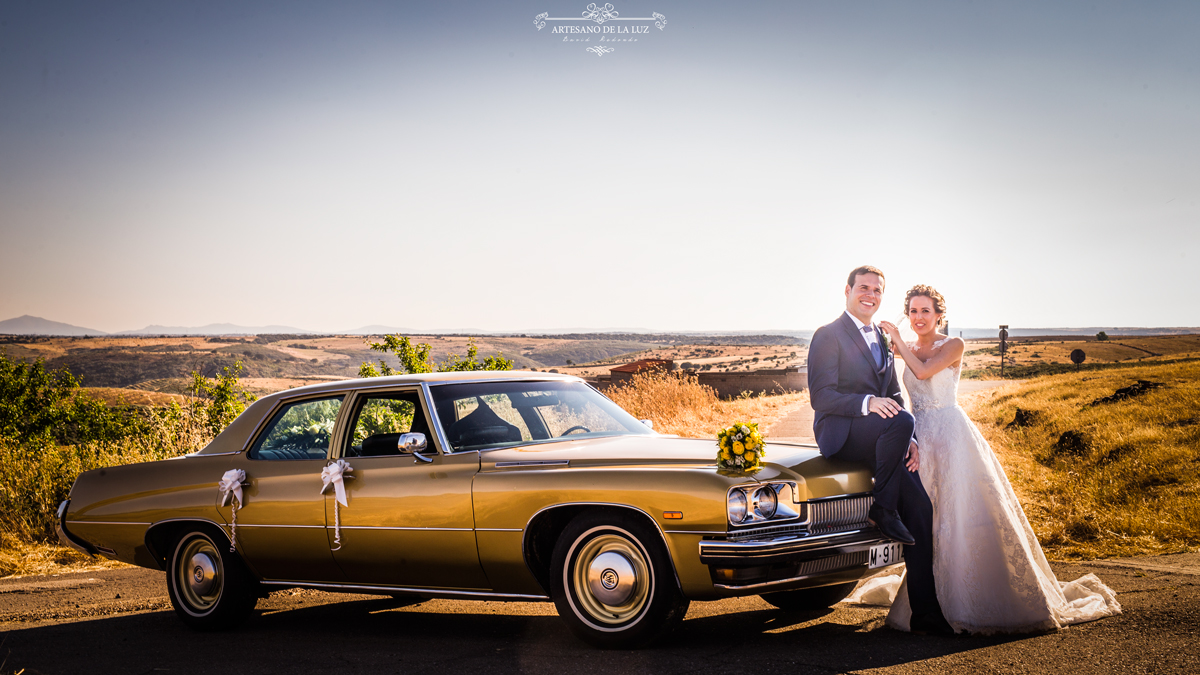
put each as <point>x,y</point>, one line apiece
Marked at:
<point>765,502</point>
<point>737,506</point>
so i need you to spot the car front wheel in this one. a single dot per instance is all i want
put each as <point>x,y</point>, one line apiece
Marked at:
<point>613,582</point>
<point>209,585</point>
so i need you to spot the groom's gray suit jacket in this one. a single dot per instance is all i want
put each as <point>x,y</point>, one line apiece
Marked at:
<point>841,371</point>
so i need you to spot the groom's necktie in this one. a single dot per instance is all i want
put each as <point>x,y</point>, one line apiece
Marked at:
<point>876,350</point>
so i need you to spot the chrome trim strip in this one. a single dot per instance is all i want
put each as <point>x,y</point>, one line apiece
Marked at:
<point>707,532</point>
<point>312,527</point>
<point>211,454</point>
<point>99,522</point>
<point>535,462</point>
<point>436,422</point>
<point>498,529</point>
<point>220,526</point>
<point>846,496</point>
<point>554,377</point>
<point>373,527</point>
<point>310,396</point>
<point>481,595</point>
<point>787,544</point>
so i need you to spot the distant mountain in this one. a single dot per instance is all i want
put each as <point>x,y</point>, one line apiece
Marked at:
<point>1129,331</point>
<point>218,329</point>
<point>376,329</point>
<point>36,325</point>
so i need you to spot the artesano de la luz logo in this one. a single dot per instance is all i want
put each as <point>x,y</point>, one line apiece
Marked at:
<point>600,25</point>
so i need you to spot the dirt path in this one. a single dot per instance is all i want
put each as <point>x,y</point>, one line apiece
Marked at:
<point>119,621</point>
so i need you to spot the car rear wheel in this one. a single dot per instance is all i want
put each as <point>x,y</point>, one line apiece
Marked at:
<point>210,587</point>
<point>807,599</point>
<point>613,583</point>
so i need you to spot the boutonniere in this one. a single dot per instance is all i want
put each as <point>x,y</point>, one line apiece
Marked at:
<point>887,343</point>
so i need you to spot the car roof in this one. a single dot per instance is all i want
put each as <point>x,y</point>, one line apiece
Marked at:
<point>431,378</point>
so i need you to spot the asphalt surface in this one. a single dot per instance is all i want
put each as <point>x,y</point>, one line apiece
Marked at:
<point>120,621</point>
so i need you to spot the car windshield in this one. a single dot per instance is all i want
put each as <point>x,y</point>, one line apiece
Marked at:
<point>485,415</point>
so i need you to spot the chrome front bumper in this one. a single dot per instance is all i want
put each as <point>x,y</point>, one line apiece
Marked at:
<point>60,527</point>
<point>790,561</point>
<point>788,548</point>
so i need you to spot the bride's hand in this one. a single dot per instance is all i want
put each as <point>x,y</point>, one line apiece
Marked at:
<point>891,329</point>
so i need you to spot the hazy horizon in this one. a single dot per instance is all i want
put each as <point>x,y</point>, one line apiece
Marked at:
<point>449,164</point>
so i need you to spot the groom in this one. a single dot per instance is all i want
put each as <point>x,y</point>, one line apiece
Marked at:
<point>860,417</point>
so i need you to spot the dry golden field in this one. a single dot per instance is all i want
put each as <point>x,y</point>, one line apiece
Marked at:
<point>1102,478</point>
<point>679,405</point>
<point>981,354</point>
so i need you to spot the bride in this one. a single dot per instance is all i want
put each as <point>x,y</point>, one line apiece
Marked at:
<point>990,573</point>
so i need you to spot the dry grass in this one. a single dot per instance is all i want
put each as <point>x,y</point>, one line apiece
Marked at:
<point>1119,478</point>
<point>981,354</point>
<point>22,558</point>
<point>678,404</point>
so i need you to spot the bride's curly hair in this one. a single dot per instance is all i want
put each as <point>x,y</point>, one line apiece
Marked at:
<point>939,303</point>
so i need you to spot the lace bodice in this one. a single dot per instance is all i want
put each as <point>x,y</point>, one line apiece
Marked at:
<point>939,391</point>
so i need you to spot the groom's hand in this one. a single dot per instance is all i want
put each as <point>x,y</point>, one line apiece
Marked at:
<point>883,406</point>
<point>913,460</point>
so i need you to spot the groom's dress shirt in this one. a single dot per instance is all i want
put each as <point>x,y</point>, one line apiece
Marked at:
<point>871,336</point>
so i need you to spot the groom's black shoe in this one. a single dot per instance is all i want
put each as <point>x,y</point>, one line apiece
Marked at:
<point>889,524</point>
<point>930,624</point>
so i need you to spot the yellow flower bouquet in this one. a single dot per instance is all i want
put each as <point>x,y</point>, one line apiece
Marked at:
<point>740,447</point>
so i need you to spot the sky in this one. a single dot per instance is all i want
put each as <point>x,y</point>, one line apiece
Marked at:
<point>449,166</point>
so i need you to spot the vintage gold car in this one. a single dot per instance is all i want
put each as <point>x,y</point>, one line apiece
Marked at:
<point>499,486</point>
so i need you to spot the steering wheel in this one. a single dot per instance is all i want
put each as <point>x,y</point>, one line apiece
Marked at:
<point>574,428</point>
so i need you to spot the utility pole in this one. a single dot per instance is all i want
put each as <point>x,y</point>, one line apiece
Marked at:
<point>1003,347</point>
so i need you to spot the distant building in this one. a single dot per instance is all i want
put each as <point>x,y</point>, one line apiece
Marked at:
<point>776,381</point>
<point>627,371</point>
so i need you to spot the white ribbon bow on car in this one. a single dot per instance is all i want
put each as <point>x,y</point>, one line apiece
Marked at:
<point>334,474</point>
<point>231,487</point>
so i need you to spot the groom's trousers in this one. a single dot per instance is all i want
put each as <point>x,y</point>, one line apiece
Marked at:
<point>882,444</point>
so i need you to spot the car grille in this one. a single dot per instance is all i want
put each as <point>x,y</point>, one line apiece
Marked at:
<point>831,515</point>
<point>828,515</point>
<point>832,563</point>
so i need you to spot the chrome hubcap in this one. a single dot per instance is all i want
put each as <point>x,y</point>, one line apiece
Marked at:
<point>611,578</point>
<point>204,573</point>
<point>198,574</point>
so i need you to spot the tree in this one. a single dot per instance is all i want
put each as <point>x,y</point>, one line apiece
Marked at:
<point>226,397</point>
<point>1101,336</point>
<point>415,359</point>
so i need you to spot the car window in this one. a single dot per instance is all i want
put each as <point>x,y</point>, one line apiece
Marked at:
<point>496,414</point>
<point>380,420</point>
<point>299,430</point>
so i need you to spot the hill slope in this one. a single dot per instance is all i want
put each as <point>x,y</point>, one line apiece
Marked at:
<point>36,325</point>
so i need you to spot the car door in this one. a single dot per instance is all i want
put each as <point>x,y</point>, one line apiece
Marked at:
<point>409,519</point>
<point>281,525</point>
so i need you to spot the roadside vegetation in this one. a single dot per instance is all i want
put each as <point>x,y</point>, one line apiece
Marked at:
<point>678,404</point>
<point>51,430</point>
<point>1107,461</point>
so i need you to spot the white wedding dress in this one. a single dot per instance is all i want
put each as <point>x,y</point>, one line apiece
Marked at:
<point>989,570</point>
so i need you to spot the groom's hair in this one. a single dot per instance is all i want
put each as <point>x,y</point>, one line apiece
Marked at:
<point>866,269</point>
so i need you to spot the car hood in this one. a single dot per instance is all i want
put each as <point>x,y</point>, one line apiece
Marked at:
<point>784,461</point>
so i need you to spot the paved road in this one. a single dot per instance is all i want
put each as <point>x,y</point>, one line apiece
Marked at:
<point>119,621</point>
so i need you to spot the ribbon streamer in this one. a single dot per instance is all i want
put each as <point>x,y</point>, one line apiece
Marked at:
<point>231,487</point>
<point>334,474</point>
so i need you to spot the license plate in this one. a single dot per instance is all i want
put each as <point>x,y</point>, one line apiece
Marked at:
<point>883,555</point>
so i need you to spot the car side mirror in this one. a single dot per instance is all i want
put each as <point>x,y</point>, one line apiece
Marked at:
<point>414,443</point>
<point>649,424</point>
